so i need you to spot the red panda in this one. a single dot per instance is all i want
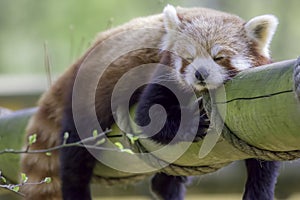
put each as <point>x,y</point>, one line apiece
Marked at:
<point>204,53</point>
<point>222,44</point>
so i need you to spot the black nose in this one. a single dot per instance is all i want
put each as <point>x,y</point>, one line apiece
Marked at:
<point>201,75</point>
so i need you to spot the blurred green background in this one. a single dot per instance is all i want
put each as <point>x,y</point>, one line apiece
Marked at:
<point>68,27</point>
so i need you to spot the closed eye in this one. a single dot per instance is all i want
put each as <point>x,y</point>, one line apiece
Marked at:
<point>219,58</point>
<point>189,59</point>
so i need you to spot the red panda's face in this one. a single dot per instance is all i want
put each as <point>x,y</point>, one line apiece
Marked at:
<point>211,48</point>
<point>207,67</point>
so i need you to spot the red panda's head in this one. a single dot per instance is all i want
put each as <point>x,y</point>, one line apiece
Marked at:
<point>211,46</point>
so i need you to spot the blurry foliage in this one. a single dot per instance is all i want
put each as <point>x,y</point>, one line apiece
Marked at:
<point>69,27</point>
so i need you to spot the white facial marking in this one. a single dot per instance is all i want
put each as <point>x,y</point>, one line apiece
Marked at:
<point>215,50</point>
<point>191,51</point>
<point>240,63</point>
<point>178,64</point>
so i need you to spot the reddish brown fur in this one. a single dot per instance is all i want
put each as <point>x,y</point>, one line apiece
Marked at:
<point>46,123</point>
<point>258,59</point>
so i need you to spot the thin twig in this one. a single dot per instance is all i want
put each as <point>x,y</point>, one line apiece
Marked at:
<point>11,187</point>
<point>80,143</point>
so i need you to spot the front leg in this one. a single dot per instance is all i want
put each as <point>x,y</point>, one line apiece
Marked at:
<point>76,171</point>
<point>167,187</point>
<point>76,164</point>
<point>262,177</point>
<point>193,127</point>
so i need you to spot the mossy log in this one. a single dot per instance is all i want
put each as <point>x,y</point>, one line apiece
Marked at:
<point>260,109</point>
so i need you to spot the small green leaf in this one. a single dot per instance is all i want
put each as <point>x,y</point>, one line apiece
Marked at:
<point>132,138</point>
<point>15,188</point>
<point>48,153</point>
<point>128,151</point>
<point>95,133</point>
<point>24,178</point>
<point>47,180</point>
<point>32,139</point>
<point>3,179</point>
<point>102,141</point>
<point>119,145</point>
<point>66,136</point>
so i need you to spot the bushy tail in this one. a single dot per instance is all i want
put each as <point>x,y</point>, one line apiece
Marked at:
<point>46,124</point>
<point>38,166</point>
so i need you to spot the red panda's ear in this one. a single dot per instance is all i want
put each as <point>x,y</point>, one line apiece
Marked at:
<point>171,19</point>
<point>261,29</point>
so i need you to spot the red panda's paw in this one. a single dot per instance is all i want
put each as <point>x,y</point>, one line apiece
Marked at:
<point>194,127</point>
